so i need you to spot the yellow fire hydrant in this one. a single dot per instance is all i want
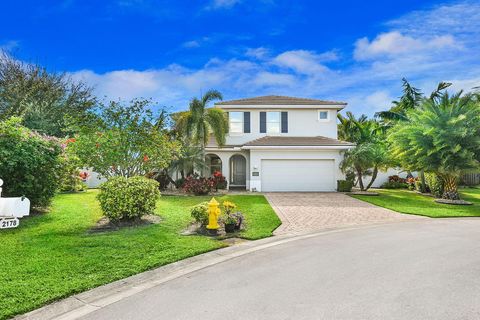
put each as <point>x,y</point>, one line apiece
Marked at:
<point>213,214</point>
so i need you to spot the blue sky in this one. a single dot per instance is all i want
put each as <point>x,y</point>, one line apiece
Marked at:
<point>170,51</point>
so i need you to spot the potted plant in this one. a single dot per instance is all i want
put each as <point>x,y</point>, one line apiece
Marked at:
<point>230,220</point>
<point>239,219</point>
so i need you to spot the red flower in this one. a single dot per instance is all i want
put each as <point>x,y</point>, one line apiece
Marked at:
<point>71,140</point>
<point>145,158</point>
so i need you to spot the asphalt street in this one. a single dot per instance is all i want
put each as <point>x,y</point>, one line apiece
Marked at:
<point>428,269</point>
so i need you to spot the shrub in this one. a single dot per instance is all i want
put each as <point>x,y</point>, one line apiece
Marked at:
<point>198,185</point>
<point>411,183</point>
<point>200,213</point>
<point>128,198</point>
<point>71,178</point>
<point>29,163</point>
<point>394,185</point>
<point>344,185</point>
<point>219,181</point>
<point>396,178</point>
<point>435,184</point>
<point>180,182</point>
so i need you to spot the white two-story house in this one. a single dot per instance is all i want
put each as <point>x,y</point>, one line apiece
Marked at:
<point>278,143</point>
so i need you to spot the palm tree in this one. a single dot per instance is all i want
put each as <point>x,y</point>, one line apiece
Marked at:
<point>370,151</point>
<point>411,99</point>
<point>442,136</point>
<point>199,122</point>
<point>189,160</point>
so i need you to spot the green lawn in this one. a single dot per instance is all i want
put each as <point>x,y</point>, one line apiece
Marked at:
<point>410,202</point>
<point>52,256</point>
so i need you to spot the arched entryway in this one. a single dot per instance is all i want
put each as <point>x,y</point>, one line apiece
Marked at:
<point>238,171</point>
<point>213,163</point>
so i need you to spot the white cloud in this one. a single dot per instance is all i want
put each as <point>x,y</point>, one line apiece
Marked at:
<point>222,4</point>
<point>442,45</point>
<point>9,45</point>
<point>257,53</point>
<point>301,61</point>
<point>394,43</point>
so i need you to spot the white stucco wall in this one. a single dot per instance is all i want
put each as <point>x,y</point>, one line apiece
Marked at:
<point>382,176</point>
<point>301,123</point>
<point>93,180</point>
<point>225,156</point>
<point>256,157</point>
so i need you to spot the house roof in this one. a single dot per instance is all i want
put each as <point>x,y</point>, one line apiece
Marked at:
<point>278,100</point>
<point>280,141</point>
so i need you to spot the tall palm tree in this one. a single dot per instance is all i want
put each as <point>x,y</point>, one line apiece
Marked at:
<point>199,122</point>
<point>412,98</point>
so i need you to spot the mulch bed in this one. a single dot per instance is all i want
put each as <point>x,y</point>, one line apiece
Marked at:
<point>105,225</point>
<point>196,228</point>
<point>454,202</point>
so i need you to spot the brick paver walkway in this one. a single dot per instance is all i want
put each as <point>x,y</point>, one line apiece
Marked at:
<point>303,212</point>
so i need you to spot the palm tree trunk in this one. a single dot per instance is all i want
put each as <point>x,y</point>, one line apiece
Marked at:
<point>360,180</point>
<point>424,184</point>
<point>374,176</point>
<point>450,190</point>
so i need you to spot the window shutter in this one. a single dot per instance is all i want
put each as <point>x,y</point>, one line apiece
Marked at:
<point>246,122</point>
<point>263,122</point>
<point>284,122</point>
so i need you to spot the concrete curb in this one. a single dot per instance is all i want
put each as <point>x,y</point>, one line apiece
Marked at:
<point>86,302</point>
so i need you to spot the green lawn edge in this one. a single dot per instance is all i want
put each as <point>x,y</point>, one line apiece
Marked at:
<point>52,256</point>
<point>409,202</point>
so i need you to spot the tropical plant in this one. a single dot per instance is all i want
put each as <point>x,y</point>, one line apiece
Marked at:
<point>199,122</point>
<point>370,153</point>
<point>47,102</point>
<point>125,140</point>
<point>190,158</point>
<point>124,198</point>
<point>30,163</point>
<point>411,99</point>
<point>442,136</point>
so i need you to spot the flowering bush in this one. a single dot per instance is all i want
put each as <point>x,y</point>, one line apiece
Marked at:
<point>198,185</point>
<point>228,206</point>
<point>220,182</point>
<point>411,183</point>
<point>30,163</point>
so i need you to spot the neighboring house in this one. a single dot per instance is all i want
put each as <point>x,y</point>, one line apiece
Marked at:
<point>278,143</point>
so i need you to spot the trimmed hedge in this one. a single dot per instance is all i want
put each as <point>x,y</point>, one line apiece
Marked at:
<point>128,198</point>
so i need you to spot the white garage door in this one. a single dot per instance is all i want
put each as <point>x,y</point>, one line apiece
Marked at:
<point>298,175</point>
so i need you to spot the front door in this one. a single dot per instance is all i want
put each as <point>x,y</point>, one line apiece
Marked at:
<point>239,171</point>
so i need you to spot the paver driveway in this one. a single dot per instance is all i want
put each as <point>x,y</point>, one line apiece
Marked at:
<point>303,212</point>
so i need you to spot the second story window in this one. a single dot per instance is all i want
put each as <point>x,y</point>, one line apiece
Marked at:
<point>236,122</point>
<point>273,122</point>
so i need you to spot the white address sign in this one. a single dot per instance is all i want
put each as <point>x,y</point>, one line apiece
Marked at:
<point>6,223</point>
